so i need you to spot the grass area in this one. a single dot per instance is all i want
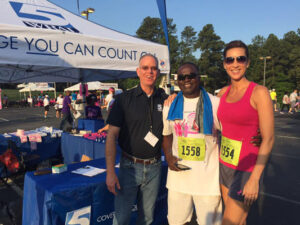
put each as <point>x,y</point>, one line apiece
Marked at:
<point>15,95</point>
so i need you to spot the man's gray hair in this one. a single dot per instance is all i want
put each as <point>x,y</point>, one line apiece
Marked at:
<point>149,54</point>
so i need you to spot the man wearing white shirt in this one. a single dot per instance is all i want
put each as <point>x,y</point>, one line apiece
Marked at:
<point>109,98</point>
<point>293,100</point>
<point>46,105</point>
<point>191,150</point>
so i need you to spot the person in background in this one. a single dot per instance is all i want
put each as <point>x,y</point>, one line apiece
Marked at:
<point>59,105</point>
<point>297,105</point>
<point>136,121</point>
<point>5,101</point>
<point>190,135</point>
<point>109,97</point>
<point>91,110</point>
<point>293,100</point>
<point>73,97</point>
<point>244,108</point>
<point>34,101</point>
<point>274,99</point>
<point>30,101</point>
<point>285,102</point>
<point>100,98</point>
<point>46,104</point>
<point>106,127</point>
<point>66,112</point>
<point>79,107</point>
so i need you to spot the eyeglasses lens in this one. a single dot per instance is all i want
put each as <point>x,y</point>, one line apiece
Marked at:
<point>239,59</point>
<point>182,77</point>
<point>153,68</point>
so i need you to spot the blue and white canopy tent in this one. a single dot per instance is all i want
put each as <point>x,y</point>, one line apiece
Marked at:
<point>41,42</point>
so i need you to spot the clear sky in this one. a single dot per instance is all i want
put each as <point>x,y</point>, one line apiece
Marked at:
<point>232,19</point>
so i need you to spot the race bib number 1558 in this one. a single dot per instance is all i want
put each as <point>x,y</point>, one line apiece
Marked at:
<point>191,149</point>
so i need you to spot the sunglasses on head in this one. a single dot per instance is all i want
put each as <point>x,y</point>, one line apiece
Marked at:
<point>239,59</point>
<point>182,77</point>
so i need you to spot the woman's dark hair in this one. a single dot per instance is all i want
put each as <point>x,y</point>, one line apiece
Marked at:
<point>236,44</point>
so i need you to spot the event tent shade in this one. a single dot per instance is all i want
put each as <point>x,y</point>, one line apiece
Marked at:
<point>95,85</point>
<point>41,42</point>
<point>35,88</point>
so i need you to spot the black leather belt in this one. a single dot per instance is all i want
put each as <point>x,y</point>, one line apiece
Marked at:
<point>138,160</point>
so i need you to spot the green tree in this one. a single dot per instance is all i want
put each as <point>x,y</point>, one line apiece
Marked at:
<point>292,44</point>
<point>151,29</point>
<point>210,62</point>
<point>186,46</point>
<point>255,71</point>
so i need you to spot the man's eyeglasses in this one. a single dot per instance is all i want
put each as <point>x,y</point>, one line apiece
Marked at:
<point>239,59</point>
<point>153,68</point>
<point>182,77</point>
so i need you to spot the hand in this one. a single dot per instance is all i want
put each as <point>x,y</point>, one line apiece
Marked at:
<point>250,192</point>
<point>99,131</point>
<point>256,140</point>
<point>172,161</point>
<point>169,100</point>
<point>111,182</point>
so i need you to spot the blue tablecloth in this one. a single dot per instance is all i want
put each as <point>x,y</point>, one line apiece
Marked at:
<point>73,147</point>
<point>48,148</point>
<point>92,125</point>
<point>49,198</point>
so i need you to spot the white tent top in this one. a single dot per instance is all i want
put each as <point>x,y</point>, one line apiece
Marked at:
<point>21,85</point>
<point>37,87</point>
<point>41,42</point>
<point>95,85</point>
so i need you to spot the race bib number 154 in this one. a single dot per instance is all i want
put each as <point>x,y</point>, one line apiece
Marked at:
<point>191,149</point>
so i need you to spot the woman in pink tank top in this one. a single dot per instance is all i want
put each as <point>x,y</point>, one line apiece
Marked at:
<point>244,108</point>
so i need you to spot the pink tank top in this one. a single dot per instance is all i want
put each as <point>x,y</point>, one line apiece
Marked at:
<point>240,122</point>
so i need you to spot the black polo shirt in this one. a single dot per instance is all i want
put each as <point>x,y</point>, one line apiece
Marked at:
<point>131,112</point>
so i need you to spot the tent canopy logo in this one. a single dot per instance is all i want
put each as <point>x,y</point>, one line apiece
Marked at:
<point>38,16</point>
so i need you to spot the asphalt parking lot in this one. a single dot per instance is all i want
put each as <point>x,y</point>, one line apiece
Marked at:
<point>279,201</point>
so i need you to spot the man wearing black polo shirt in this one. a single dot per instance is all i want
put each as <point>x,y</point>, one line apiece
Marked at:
<point>136,120</point>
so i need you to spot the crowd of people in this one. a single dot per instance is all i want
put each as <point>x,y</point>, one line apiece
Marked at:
<point>72,107</point>
<point>290,102</point>
<point>185,126</point>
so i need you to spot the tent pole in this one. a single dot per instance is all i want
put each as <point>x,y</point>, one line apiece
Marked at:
<point>83,85</point>
<point>54,90</point>
<point>168,84</point>
<point>83,90</point>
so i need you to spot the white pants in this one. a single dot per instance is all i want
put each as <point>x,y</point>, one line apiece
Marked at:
<point>181,206</point>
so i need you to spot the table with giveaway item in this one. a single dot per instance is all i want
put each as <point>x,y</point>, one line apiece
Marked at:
<point>75,146</point>
<point>37,145</point>
<point>73,198</point>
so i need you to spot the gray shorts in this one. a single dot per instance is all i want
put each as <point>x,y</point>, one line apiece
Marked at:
<point>235,181</point>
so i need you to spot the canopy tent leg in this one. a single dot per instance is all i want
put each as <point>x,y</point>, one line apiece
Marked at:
<point>55,90</point>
